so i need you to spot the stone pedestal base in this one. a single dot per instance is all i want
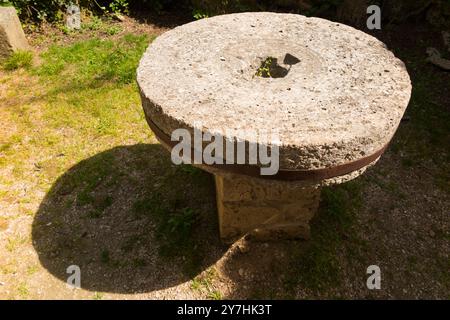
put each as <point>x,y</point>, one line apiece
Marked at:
<point>267,210</point>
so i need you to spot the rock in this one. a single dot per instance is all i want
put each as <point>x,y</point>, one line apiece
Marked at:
<point>333,95</point>
<point>342,103</point>
<point>241,272</point>
<point>73,19</point>
<point>12,37</point>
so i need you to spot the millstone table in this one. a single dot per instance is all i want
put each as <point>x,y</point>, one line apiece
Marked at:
<point>334,94</point>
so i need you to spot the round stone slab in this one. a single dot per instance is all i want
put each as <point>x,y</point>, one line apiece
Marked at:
<point>336,94</point>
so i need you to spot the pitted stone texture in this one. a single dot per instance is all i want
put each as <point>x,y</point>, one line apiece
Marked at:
<point>12,37</point>
<point>342,101</point>
<point>274,210</point>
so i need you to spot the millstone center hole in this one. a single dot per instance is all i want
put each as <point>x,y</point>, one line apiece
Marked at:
<point>270,68</point>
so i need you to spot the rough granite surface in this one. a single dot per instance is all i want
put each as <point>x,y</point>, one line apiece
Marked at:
<point>343,98</point>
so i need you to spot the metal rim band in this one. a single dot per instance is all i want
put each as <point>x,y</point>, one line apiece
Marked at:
<point>290,175</point>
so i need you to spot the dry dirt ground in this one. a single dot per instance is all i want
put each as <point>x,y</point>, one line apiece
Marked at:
<point>141,228</point>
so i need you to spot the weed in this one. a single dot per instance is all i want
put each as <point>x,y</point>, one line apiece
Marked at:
<point>97,296</point>
<point>199,14</point>
<point>14,243</point>
<point>32,270</point>
<point>265,68</point>
<point>215,295</point>
<point>65,29</point>
<point>174,228</point>
<point>104,256</point>
<point>204,284</point>
<point>112,30</point>
<point>94,24</point>
<point>23,290</point>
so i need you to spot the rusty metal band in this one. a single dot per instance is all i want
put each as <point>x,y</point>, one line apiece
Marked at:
<point>291,175</point>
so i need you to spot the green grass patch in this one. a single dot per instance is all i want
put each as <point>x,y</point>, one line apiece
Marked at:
<point>19,59</point>
<point>84,100</point>
<point>112,30</point>
<point>204,284</point>
<point>95,23</point>
<point>93,61</point>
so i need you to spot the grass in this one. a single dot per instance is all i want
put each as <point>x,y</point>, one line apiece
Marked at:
<point>95,61</point>
<point>416,142</point>
<point>95,23</point>
<point>14,243</point>
<point>420,139</point>
<point>23,290</point>
<point>19,59</point>
<point>112,30</point>
<point>80,100</point>
<point>104,256</point>
<point>98,296</point>
<point>204,284</point>
<point>175,225</point>
<point>86,90</point>
<point>32,269</point>
<point>317,267</point>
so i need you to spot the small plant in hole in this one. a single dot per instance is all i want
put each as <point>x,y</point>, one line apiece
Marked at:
<point>271,69</point>
<point>265,68</point>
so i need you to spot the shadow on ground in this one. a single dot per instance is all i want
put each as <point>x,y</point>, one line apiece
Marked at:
<point>130,220</point>
<point>134,222</point>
